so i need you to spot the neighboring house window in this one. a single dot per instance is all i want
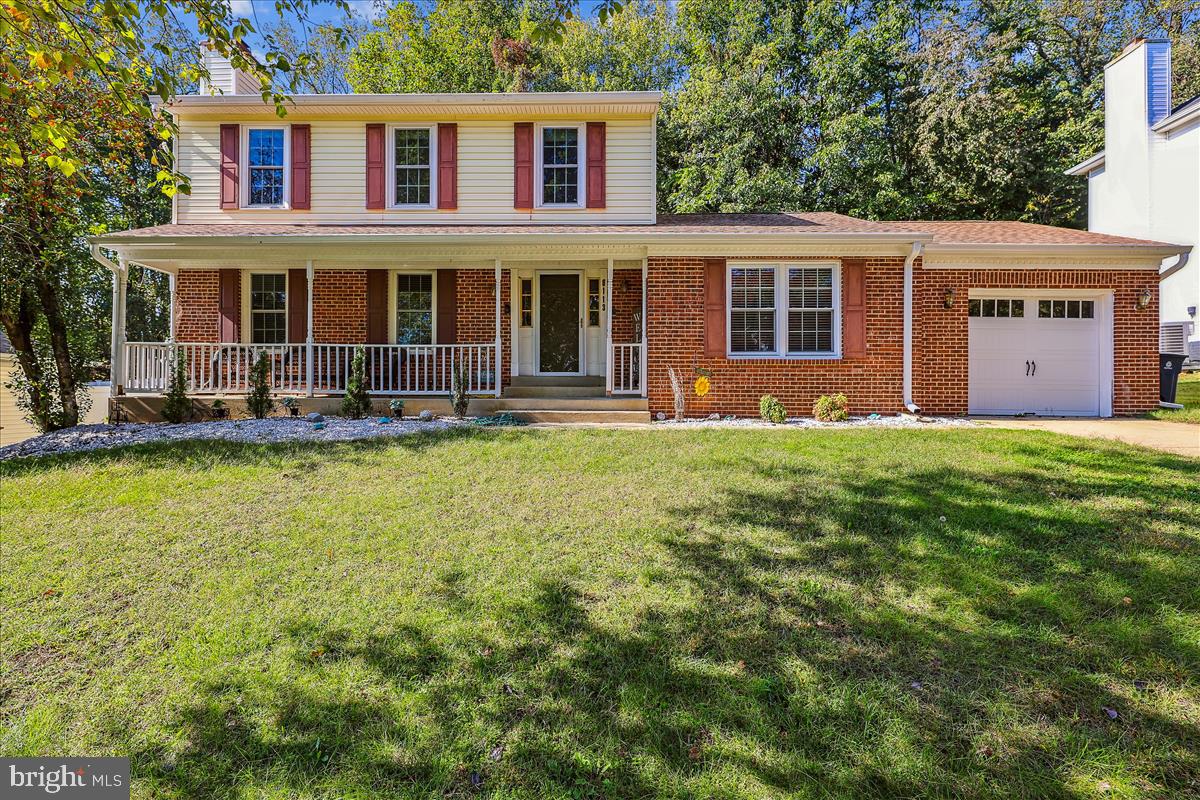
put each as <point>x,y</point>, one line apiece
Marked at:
<point>595,302</point>
<point>560,156</point>
<point>266,167</point>
<point>526,303</point>
<point>268,308</point>
<point>783,310</point>
<point>414,309</point>
<point>412,167</point>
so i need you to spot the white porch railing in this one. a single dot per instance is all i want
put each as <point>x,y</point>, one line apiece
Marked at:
<point>627,368</point>
<point>389,368</point>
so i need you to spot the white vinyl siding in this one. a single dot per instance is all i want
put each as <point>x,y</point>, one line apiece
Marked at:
<point>485,177</point>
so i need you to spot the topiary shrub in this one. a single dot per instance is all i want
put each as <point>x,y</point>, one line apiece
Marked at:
<point>177,406</point>
<point>771,410</point>
<point>258,400</point>
<point>831,408</point>
<point>356,403</point>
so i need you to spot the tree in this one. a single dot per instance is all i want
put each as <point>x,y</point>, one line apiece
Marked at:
<point>258,399</point>
<point>328,50</point>
<point>356,402</point>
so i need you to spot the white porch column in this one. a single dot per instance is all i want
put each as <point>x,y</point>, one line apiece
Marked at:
<point>308,330</point>
<point>608,354</point>
<point>117,357</point>
<point>171,306</point>
<point>499,379</point>
<point>645,343</point>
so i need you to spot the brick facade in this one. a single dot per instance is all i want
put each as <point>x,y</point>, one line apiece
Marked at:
<point>198,305</point>
<point>675,335</point>
<point>940,334</point>
<point>339,306</point>
<point>626,305</point>
<point>475,294</point>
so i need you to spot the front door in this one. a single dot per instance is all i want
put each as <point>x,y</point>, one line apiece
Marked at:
<point>559,324</point>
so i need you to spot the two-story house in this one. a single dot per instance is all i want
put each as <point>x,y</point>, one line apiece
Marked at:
<point>1146,181</point>
<point>517,234</point>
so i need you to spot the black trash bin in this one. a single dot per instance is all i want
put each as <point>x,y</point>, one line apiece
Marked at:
<point>1170,365</point>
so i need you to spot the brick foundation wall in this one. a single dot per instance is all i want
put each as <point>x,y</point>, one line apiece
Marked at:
<point>340,306</point>
<point>940,334</point>
<point>675,334</point>
<point>626,304</point>
<point>475,293</point>
<point>198,305</point>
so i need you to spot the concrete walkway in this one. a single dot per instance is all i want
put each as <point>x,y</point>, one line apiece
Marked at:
<point>1169,437</point>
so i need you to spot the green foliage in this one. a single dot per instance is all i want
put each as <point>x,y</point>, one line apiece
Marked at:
<point>831,408</point>
<point>356,403</point>
<point>771,410</point>
<point>177,406</point>
<point>258,399</point>
<point>460,398</point>
<point>396,405</point>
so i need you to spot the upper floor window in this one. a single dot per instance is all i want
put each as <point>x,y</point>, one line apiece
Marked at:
<point>414,308</point>
<point>560,157</point>
<point>783,310</point>
<point>266,167</point>
<point>268,308</point>
<point>413,151</point>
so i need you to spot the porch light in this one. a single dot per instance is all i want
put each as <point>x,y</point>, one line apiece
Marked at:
<point>948,298</point>
<point>1144,298</point>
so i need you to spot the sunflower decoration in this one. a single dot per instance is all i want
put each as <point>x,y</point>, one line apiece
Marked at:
<point>702,385</point>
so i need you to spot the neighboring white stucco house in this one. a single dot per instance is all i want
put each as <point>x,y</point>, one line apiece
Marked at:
<point>1146,181</point>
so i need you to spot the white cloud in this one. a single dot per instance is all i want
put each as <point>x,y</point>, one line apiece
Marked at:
<point>242,8</point>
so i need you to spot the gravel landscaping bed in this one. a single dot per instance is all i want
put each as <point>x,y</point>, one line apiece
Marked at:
<point>876,421</point>
<point>270,430</point>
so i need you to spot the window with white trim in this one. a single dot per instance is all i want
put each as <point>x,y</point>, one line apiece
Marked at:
<point>414,308</point>
<point>266,167</point>
<point>560,156</point>
<point>268,308</point>
<point>412,167</point>
<point>784,310</point>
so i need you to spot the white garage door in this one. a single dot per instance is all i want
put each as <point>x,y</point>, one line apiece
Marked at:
<point>1035,354</point>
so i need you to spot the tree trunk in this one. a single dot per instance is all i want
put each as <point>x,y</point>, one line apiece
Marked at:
<point>48,294</point>
<point>20,333</point>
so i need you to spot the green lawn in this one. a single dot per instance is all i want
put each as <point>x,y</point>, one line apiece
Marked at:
<point>1188,395</point>
<point>520,613</point>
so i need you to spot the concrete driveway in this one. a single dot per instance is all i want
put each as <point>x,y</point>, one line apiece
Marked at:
<point>1169,437</point>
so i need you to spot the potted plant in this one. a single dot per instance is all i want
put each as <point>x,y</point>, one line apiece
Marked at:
<point>397,407</point>
<point>219,409</point>
<point>292,405</point>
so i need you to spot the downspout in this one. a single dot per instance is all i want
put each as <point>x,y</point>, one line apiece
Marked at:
<point>909,405</point>
<point>1179,264</point>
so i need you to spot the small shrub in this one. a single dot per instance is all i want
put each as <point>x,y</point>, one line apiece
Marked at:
<point>177,406</point>
<point>259,402</point>
<point>771,410</point>
<point>356,403</point>
<point>397,407</point>
<point>459,382</point>
<point>831,408</point>
<point>219,411</point>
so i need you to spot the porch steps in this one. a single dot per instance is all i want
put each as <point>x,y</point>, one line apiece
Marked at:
<point>554,391</point>
<point>591,416</point>
<point>595,381</point>
<point>521,404</point>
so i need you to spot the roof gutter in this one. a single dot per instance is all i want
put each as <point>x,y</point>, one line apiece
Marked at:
<point>909,405</point>
<point>1179,264</point>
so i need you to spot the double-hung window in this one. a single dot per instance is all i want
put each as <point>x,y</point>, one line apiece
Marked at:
<point>414,308</point>
<point>413,153</point>
<point>784,310</point>
<point>266,167</point>
<point>268,308</point>
<point>560,156</point>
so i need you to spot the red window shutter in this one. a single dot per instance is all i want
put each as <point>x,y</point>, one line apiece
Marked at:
<point>375,151</point>
<point>377,297</point>
<point>714,307</point>
<point>447,307</point>
<point>302,167</point>
<point>854,307</point>
<point>447,166</point>
<point>523,165</point>
<point>228,293</point>
<point>297,305</point>
<point>596,160</point>
<point>230,143</point>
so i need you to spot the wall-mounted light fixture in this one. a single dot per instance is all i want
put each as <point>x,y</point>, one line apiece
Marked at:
<point>1144,298</point>
<point>948,297</point>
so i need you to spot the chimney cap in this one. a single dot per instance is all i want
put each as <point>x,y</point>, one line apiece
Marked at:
<point>1134,45</point>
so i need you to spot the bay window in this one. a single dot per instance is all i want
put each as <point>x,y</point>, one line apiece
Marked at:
<point>784,310</point>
